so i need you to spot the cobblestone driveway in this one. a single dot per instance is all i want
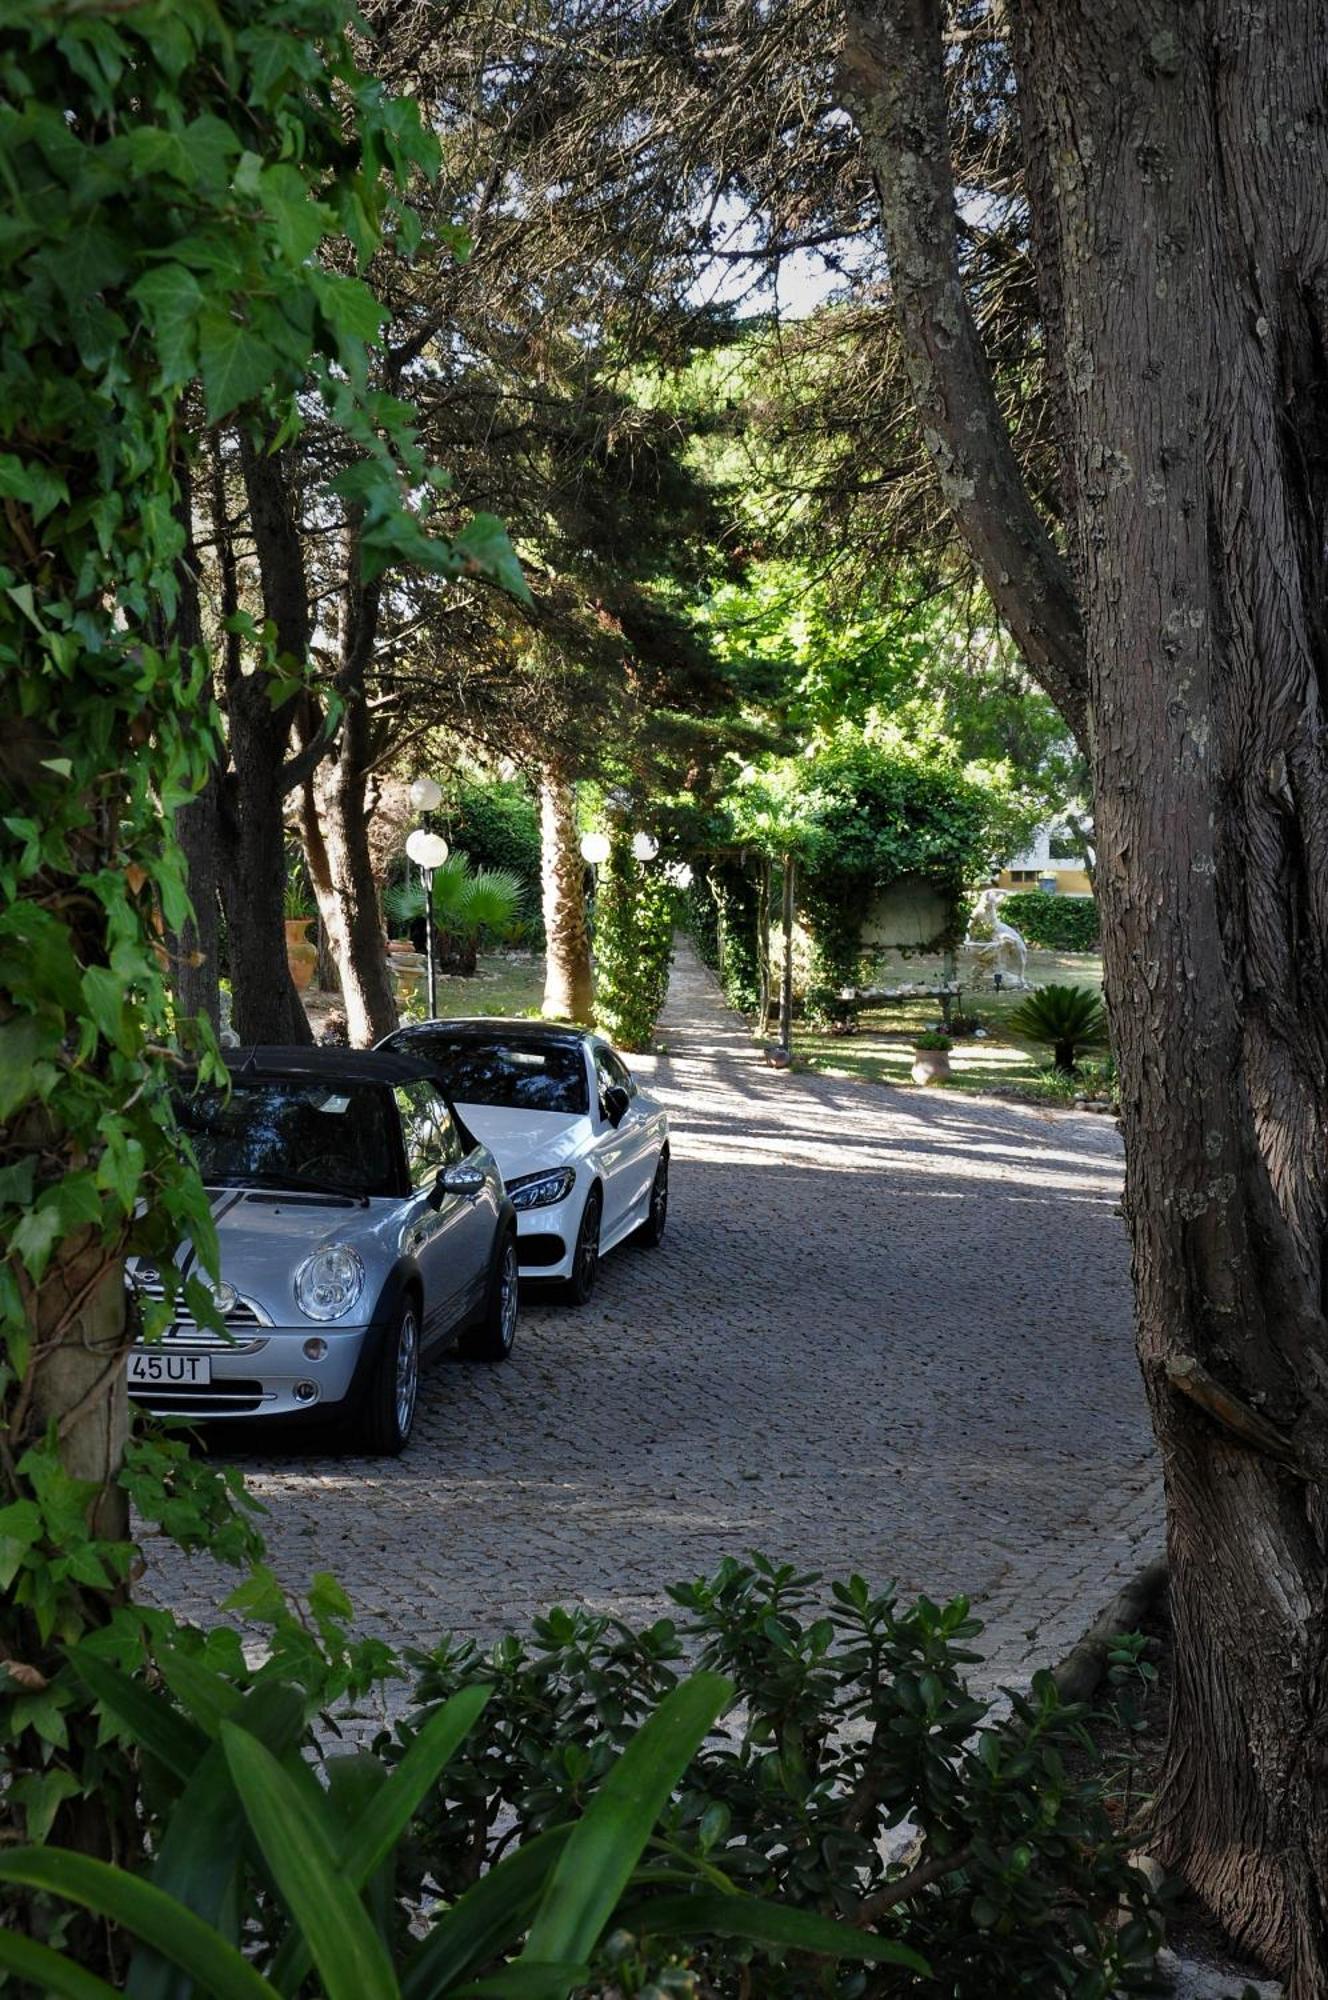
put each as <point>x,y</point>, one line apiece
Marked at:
<point>887,1331</point>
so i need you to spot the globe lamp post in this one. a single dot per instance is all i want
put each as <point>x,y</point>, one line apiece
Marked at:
<point>428,851</point>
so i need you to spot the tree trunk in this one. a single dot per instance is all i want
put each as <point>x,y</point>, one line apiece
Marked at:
<point>335,818</point>
<point>1186,172</point>
<point>341,871</point>
<point>568,987</point>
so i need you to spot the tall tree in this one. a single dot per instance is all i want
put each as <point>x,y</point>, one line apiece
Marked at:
<point>1176,177</point>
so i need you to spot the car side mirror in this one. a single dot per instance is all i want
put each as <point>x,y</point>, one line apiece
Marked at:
<point>615,1104</point>
<point>460,1178</point>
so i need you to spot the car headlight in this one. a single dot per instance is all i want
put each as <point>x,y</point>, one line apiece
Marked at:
<point>328,1283</point>
<point>542,1190</point>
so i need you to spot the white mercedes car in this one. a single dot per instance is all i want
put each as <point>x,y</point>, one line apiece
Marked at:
<point>584,1151</point>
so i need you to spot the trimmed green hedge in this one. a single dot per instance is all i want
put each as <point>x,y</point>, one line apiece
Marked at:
<point>1053,923</point>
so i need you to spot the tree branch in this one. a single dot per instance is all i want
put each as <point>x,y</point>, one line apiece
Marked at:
<point>892,69</point>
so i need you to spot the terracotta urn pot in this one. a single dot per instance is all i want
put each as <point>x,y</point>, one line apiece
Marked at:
<point>301,954</point>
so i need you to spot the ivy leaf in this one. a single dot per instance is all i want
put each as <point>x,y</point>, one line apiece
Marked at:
<point>104,997</point>
<point>299,221</point>
<point>35,1236</point>
<point>347,304</point>
<point>237,366</point>
<point>172,301</point>
<point>20,1530</point>
<point>23,1041</point>
<point>487,550</point>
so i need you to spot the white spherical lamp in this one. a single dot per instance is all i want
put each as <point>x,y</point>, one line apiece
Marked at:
<point>426,795</point>
<point>427,850</point>
<point>645,846</point>
<point>595,848</point>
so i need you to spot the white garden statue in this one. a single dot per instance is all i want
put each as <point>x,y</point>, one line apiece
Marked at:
<point>1004,952</point>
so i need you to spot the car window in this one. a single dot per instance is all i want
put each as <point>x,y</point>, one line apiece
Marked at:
<point>619,1071</point>
<point>426,1148</point>
<point>610,1070</point>
<point>454,1147</point>
<point>513,1072</point>
<point>292,1132</point>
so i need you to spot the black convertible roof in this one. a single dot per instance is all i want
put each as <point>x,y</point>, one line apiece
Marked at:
<point>329,1065</point>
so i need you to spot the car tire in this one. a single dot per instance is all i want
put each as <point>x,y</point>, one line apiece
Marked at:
<point>576,1290</point>
<point>651,1232</point>
<point>385,1423</point>
<point>491,1336</point>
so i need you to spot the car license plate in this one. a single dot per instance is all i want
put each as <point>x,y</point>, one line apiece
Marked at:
<point>150,1365</point>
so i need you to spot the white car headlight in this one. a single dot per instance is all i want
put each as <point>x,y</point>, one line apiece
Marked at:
<point>542,1190</point>
<point>328,1283</point>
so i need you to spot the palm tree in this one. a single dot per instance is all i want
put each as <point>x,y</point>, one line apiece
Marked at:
<point>468,903</point>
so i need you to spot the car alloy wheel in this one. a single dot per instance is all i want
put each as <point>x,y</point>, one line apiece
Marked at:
<point>509,1284</point>
<point>585,1257</point>
<point>408,1372</point>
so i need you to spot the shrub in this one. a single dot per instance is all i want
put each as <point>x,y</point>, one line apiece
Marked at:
<point>497,825</point>
<point>932,1040</point>
<point>787,1802</point>
<point>1067,1019</point>
<point>469,905</point>
<point>1053,923</point>
<point>570,1802</point>
<point>634,919</point>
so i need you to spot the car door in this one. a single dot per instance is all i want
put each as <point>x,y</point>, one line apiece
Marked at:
<point>436,1225</point>
<point>470,1240</point>
<point>625,1151</point>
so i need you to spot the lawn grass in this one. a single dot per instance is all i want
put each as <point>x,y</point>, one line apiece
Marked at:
<point>882,1049</point>
<point>503,983</point>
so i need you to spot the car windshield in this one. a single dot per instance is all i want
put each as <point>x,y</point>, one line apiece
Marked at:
<point>521,1075</point>
<point>293,1132</point>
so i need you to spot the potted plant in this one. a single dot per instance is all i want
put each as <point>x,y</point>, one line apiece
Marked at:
<point>301,954</point>
<point>931,1057</point>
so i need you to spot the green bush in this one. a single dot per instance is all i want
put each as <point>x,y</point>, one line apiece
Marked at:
<point>635,914</point>
<point>736,898</point>
<point>1053,923</point>
<point>786,1802</point>
<point>570,1805</point>
<point>497,825</point>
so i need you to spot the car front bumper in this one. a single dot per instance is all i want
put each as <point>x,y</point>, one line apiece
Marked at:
<point>265,1372</point>
<point>546,1239</point>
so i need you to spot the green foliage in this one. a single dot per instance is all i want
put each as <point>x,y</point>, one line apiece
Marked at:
<point>1068,1019</point>
<point>497,824</point>
<point>929,1039</point>
<point>468,903</point>
<point>1053,923</point>
<point>173,173</point>
<point>635,915</point>
<point>860,812</point>
<point>261,1876</point>
<point>734,896</point>
<point>788,1804</point>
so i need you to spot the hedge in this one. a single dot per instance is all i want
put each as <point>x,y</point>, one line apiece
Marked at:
<point>1053,923</point>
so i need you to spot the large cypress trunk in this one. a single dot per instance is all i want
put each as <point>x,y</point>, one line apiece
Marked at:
<point>569,993</point>
<point>1190,205</point>
<point>1178,178</point>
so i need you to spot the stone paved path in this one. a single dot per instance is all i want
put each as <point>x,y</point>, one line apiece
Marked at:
<point>888,1331</point>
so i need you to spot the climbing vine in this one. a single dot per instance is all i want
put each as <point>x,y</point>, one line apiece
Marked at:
<point>173,171</point>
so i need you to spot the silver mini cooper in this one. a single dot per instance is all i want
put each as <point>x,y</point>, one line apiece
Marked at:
<point>360,1226</point>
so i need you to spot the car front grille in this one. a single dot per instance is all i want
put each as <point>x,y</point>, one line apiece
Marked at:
<point>233,1397</point>
<point>146,1284</point>
<point>536,1251</point>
